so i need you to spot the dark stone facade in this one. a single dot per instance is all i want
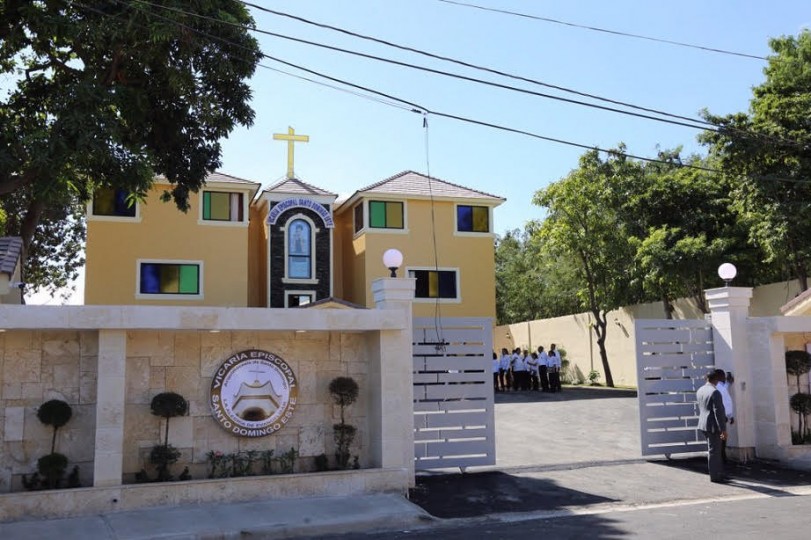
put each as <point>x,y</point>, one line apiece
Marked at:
<point>277,256</point>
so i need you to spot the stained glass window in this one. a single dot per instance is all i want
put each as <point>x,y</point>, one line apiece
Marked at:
<point>434,283</point>
<point>386,215</point>
<point>162,278</point>
<point>112,202</point>
<point>472,218</point>
<point>221,206</point>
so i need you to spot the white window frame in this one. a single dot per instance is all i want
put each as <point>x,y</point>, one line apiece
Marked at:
<point>246,202</point>
<point>457,232</point>
<point>455,270</point>
<point>121,219</point>
<point>146,296</point>
<point>288,294</point>
<point>313,232</point>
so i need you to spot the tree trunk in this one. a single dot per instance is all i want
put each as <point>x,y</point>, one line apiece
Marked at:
<point>668,306</point>
<point>600,327</point>
<point>802,277</point>
<point>28,226</point>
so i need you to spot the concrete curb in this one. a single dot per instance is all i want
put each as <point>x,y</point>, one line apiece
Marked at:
<point>267,519</point>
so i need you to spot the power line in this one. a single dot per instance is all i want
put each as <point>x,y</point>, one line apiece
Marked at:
<point>424,110</point>
<point>709,125</point>
<point>466,78</point>
<point>604,30</point>
<point>470,65</point>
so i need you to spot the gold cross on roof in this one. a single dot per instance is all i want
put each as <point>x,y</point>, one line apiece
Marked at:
<point>291,139</point>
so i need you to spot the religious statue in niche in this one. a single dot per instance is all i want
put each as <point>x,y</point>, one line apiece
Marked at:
<point>299,252</point>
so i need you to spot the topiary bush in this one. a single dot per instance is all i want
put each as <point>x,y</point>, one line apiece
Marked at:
<point>166,405</point>
<point>801,404</point>
<point>344,392</point>
<point>51,469</point>
<point>798,363</point>
<point>54,413</point>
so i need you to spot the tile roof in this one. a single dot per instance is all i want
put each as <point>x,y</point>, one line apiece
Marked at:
<point>333,302</point>
<point>297,187</point>
<point>217,177</point>
<point>222,177</point>
<point>416,184</point>
<point>11,251</point>
<point>796,306</point>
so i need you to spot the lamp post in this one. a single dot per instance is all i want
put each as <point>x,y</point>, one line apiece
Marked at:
<point>392,259</point>
<point>727,272</point>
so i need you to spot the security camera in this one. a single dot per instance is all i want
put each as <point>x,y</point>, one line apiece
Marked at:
<point>19,284</point>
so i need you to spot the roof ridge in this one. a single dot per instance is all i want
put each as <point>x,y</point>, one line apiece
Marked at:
<point>428,177</point>
<point>232,176</point>
<point>313,189</point>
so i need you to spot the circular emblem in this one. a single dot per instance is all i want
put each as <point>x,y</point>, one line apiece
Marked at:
<point>253,393</point>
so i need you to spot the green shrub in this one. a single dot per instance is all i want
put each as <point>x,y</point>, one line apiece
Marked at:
<point>54,413</point>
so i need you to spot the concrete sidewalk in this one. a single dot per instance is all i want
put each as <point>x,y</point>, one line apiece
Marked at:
<point>260,519</point>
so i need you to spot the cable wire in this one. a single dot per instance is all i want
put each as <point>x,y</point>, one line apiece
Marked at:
<point>605,30</point>
<point>424,110</point>
<point>473,66</point>
<point>702,124</point>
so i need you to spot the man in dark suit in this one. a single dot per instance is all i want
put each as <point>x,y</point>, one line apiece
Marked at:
<point>712,422</point>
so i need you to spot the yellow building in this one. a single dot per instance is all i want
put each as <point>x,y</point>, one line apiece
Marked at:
<point>150,253</point>
<point>292,245</point>
<point>444,231</point>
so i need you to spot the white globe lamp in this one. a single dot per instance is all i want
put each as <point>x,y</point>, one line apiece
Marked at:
<point>392,259</point>
<point>727,272</point>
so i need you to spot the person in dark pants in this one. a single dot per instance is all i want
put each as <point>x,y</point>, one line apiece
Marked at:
<point>496,368</point>
<point>504,370</point>
<point>729,408</point>
<point>712,422</point>
<point>532,362</point>
<point>543,369</point>
<point>554,369</point>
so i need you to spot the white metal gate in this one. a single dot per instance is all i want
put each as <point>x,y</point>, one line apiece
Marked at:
<point>454,423</point>
<point>672,358</point>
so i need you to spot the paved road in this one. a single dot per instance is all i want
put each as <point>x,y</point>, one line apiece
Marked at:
<point>755,517</point>
<point>575,426</point>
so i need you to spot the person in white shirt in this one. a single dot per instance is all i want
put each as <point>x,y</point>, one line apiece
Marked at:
<point>504,370</point>
<point>554,369</point>
<point>723,387</point>
<point>543,368</point>
<point>496,369</point>
<point>532,364</point>
<point>519,370</point>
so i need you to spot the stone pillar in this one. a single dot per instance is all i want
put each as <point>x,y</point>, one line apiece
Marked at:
<point>391,378</point>
<point>109,458</point>
<point>729,307</point>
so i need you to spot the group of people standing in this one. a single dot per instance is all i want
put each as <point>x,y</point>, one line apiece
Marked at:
<point>521,370</point>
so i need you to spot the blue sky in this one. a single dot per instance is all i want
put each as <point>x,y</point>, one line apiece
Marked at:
<point>355,142</point>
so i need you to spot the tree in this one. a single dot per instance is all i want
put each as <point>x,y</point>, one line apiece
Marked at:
<point>529,284</point>
<point>767,155</point>
<point>57,252</point>
<point>682,227</point>
<point>583,224</point>
<point>111,93</point>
